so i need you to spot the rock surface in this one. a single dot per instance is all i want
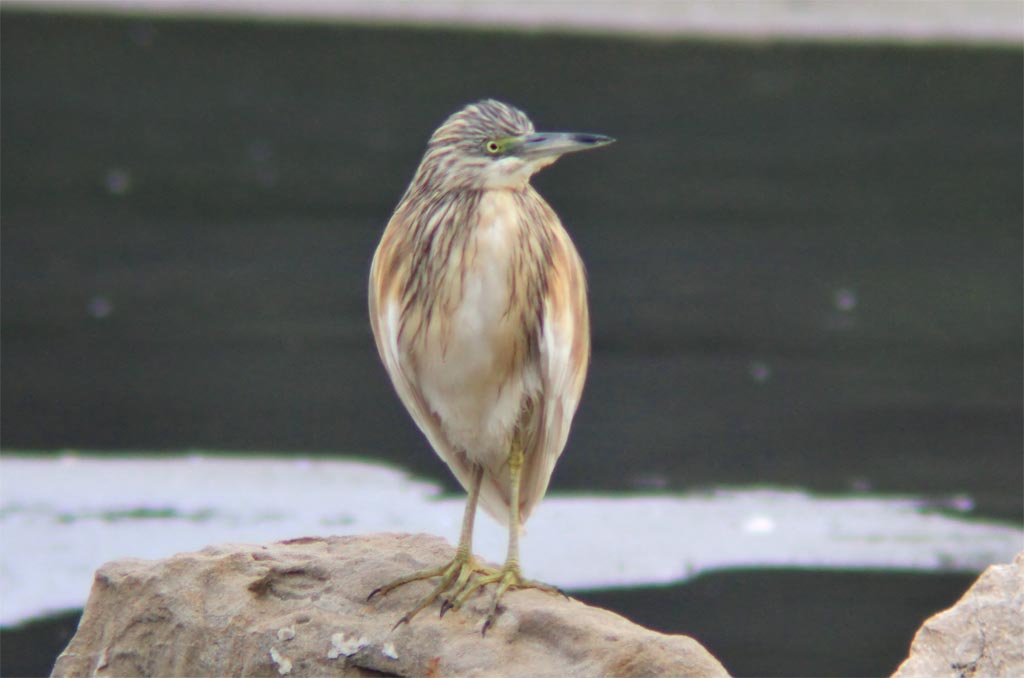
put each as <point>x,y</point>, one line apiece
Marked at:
<point>298,608</point>
<point>982,635</point>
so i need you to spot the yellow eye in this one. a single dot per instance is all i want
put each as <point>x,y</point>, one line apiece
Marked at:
<point>492,147</point>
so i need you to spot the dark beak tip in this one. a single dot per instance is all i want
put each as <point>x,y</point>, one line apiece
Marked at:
<point>594,139</point>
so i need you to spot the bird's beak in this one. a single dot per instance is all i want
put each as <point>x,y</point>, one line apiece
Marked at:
<point>553,144</point>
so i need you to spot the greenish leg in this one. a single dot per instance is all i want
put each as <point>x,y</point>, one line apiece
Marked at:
<point>453,574</point>
<point>509,576</point>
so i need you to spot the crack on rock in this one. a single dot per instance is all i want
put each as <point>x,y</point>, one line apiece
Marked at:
<point>967,669</point>
<point>302,540</point>
<point>374,673</point>
<point>964,670</point>
<point>290,582</point>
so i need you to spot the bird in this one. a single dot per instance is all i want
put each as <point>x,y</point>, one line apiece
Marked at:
<point>478,306</point>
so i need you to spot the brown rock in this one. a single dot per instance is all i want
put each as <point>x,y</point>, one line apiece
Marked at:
<point>298,608</point>
<point>982,635</point>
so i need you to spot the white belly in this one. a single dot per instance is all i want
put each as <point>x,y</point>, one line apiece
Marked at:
<point>468,370</point>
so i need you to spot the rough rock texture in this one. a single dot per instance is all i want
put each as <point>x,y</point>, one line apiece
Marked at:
<point>298,608</point>
<point>982,635</point>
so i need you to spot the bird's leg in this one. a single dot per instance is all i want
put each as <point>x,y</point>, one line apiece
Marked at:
<point>453,574</point>
<point>509,576</point>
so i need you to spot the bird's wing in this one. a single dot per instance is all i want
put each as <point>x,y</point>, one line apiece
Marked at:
<point>385,312</point>
<point>564,354</point>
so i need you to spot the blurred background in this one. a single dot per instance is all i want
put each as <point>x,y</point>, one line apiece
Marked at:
<point>804,255</point>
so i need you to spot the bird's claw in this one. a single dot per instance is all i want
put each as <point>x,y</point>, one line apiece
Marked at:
<point>461,578</point>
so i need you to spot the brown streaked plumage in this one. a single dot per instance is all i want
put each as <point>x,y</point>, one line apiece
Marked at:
<point>479,309</point>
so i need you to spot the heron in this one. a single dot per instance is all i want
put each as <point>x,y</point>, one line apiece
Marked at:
<point>478,304</point>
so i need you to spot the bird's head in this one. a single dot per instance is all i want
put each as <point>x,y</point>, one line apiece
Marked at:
<point>489,144</point>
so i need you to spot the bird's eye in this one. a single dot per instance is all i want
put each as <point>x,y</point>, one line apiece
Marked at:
<point>492,147</point>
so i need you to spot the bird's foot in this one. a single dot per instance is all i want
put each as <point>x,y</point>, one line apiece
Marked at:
<point>462,577</point>
<point>455,575</point>
<point>507,577</point>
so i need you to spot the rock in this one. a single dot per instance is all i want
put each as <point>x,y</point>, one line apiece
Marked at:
<point>298,608</point>
<point>982,635</point>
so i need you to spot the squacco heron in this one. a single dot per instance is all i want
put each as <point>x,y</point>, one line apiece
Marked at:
<point>478,303</point>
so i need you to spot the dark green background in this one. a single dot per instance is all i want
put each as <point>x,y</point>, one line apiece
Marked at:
<point>189,209</point>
